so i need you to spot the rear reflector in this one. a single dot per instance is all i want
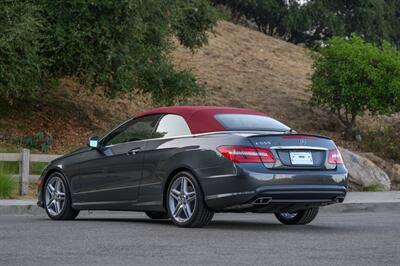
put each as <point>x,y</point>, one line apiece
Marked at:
<point>246,154</point>
<point>334,157</point>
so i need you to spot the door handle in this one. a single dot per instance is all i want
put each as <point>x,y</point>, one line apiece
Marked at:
<point>133,151</point>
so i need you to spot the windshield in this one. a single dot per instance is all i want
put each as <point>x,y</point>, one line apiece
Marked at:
<point>243,122</point>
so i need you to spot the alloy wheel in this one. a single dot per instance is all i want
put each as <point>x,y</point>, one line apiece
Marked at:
<point>55,196</point>
<point>182,199</point>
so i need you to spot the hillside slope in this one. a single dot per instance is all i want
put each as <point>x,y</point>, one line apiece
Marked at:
<point>245,68</point>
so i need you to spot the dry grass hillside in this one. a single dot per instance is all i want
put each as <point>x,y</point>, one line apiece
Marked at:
<point>245,68</point>
<point>240,67</point>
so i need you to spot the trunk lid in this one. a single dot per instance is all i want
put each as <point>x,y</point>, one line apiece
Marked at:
<point>296,151</point>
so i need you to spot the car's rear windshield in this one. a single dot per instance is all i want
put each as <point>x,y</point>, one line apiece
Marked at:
<point>244,122</point>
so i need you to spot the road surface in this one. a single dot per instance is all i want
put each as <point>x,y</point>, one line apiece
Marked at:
<point>103,238</point>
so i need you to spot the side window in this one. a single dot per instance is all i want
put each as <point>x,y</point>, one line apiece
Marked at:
<point>137,129</point>
<point>172,126</point>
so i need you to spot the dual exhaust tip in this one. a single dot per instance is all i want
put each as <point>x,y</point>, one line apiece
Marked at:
<point>267,200</point>
<point>262,201</point>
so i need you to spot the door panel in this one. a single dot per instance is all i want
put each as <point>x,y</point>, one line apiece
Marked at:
<point>112,173</point>
<point>112,176</point>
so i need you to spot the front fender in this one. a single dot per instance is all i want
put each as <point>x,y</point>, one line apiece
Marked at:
<point>49,169</point>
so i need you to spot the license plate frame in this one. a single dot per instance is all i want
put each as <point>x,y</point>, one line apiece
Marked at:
<point>301,158</point>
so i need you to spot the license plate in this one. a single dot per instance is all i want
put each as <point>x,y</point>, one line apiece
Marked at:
<point>301,158</point>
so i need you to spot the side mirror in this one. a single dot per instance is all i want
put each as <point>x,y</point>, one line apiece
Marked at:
<point>93,142</point>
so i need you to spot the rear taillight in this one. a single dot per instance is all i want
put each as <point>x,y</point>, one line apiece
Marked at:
<point>245,154</point>
<point>334,157</point>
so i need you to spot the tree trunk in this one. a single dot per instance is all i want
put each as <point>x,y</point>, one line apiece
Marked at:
<point>351,128</point>
<point>348,121</point>
<point>349,133</point>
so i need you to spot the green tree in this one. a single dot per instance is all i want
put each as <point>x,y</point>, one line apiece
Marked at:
<point>268,15</point>
<point>239,8</point>
<point>328,18</point>
<point>318,20</point>
<point>296,23</point>
<point>353,77</point>
<point>19,61</point>
<point>392,14</point>
<point>120,45</point>
<point>124,44</point>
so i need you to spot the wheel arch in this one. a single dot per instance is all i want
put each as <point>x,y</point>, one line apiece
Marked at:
<point>51,171</point>
<point>171,175</point>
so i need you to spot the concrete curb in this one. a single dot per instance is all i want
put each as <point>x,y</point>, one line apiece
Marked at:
<point>354,202</point>
<point>367,202</point>
<point>21,210</point>
<point>362,207</point>
<point>19,207</point>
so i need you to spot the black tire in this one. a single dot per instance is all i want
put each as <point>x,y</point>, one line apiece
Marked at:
<point>300,218</point>
<point>67,212</point>
<point>201,215</point>
<point>157,215</point>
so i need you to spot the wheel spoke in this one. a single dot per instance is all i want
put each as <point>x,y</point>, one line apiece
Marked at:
<point>185,185</point>
<point>61,195</point>
<point>191,196</point>
<point>175,194</point>
<point>58,185</point>
<point>182,185</point>
<point>187,211</point>
<point>178,209</point>
<point>57,206</point>
<point>50,187</point>
<point>52,201</point>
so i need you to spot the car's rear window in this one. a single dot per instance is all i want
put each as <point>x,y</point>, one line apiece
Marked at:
<point>243,122</point>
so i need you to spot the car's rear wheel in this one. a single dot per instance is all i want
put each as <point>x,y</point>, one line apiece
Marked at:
<point>57,198</point>
<point>297,218</point>
<point>185,202</point>
<point>157,215</point>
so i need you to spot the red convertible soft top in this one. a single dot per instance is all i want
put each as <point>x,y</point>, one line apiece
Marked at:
<point>200,119</point>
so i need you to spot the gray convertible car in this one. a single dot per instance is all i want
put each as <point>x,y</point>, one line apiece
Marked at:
<point>186,163</point>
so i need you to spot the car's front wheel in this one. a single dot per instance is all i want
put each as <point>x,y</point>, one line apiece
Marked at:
<point>57,198</point>
<point>297,218</point>
<point>185,202</point>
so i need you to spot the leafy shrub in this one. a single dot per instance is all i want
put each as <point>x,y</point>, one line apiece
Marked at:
<point>7,186</point>
<point>374,187</point>
<point>40,141</point>
<point>352,77</point>
<point>170,83</point>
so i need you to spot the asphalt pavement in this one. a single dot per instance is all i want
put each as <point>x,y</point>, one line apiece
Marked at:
<point>104,238</point>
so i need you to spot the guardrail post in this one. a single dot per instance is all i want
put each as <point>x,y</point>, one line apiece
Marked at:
<point>24,171</point>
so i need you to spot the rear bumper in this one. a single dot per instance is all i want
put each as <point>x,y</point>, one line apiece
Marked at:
<point>285,189</point>
<point>277,198</point>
